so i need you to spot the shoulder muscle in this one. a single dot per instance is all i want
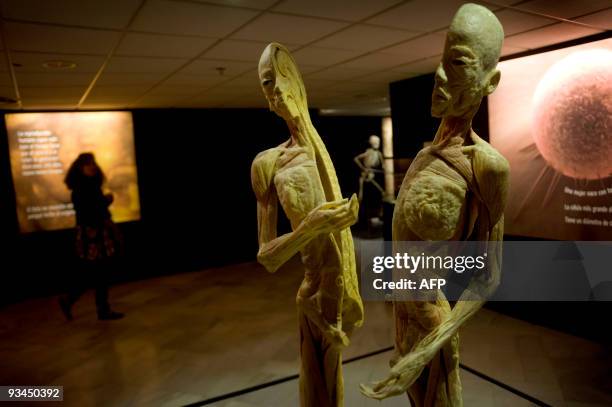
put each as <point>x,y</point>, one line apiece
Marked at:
<point>492,173</point>
<point>262,171</point>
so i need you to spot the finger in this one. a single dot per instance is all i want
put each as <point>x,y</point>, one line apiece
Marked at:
<point>345,223</point>
<point>354,204</point>
<point>332,204</point>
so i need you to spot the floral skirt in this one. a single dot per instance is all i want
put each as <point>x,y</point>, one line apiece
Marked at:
<point>99,242</point>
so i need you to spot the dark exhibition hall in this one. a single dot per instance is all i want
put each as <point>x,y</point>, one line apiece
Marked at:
<point>306,203</point>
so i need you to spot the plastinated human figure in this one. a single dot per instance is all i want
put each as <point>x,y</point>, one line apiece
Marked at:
<point>455,189</point>
<point>300,175</point>
<point>370,162</point>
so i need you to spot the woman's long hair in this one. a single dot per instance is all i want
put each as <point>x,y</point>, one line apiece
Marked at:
<point>75,178</point>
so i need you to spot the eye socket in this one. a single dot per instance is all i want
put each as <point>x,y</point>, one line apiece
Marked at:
<point>458,62</point>
<point>266,82</point>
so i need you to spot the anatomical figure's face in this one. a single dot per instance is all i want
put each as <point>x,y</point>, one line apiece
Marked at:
<point>458,79</point>
<point>374,142</point>
<point>277,88</point>
<point>467,71</point>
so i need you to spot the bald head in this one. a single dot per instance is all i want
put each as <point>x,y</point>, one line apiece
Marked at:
<point>468,71</point>
<point>478,28</point>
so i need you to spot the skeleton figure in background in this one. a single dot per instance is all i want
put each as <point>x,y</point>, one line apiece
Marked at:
<point>455,189</point>
<point>370,162</point>
<point>299,173</point>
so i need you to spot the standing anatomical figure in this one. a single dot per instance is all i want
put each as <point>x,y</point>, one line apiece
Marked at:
<point>300,175</point>
<point>370,162</point>
<point>455,189</point>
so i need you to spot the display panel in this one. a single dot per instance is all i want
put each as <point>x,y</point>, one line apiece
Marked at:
<point>44,145</point>
<point>551,117</point>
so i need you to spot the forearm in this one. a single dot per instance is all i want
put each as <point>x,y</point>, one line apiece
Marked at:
<point>357,161</point>
<point>273,254</point>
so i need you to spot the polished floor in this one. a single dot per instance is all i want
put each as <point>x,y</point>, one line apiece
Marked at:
<point>192,337</point>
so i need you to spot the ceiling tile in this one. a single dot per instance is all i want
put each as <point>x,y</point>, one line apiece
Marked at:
<point>134,64</point>
<point>126,92</point>
<point>157,102</point>
<point>46,93</point>
<point>306,69</point>
<point>114,100</point>
<point>185,79</point>
<point>602,19</point>
<point>549,35</point>
<point>236,50</point>
<point>248,79</point>
<point>564,9</point>
<point>46,79</point>
<point>131,79</point>
<point>245,103</point>
<point>516,22</point>
<point>318,56</point>
<point>361,88</point>
<point>209,67</point>
<point>350,10</point>
<point>5,79</point>
<point>103,14</point>
<point>56,104</point>
<point>206,99</point>
<point>425,46</point>
<point>251,88</point>
<point>174,17</point>
<point>493,4</point>
<point>384,77</point>
<point>258,4</point>
<point>422,66</point>
<point>320,95</point>
<point>378,61</point>
<point>365,38</point>
<point>175,90</point>
<point>7,92</point>
<point>103,106</point>
<point>420,15</point>
<point>30,62</point>
<point>509,50</point>
<point>33,37</point>
<point>338,73</point>
<point>289,29</point>
<point>313,84</point>
<point>156,45</point>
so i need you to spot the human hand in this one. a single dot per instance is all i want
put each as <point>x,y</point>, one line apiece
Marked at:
<point>332,216</point>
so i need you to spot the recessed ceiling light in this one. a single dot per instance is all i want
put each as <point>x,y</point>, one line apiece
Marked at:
<point>59,64</point>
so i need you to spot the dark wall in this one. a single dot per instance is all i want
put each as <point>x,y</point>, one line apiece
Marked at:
<point>198,209</point>
<point>410,101</point>
<point>345,137</point>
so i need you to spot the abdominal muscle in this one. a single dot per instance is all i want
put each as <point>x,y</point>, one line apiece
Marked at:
<point>431,207</point>
<point>300,191</point>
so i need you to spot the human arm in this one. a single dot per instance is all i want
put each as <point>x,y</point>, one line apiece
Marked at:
<point>326,218</point>
<point>358,160</point>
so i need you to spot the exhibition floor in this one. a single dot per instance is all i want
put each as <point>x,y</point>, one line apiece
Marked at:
<point>207,336</point>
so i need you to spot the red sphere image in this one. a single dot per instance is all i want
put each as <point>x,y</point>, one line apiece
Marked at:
<point>572,115</point>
